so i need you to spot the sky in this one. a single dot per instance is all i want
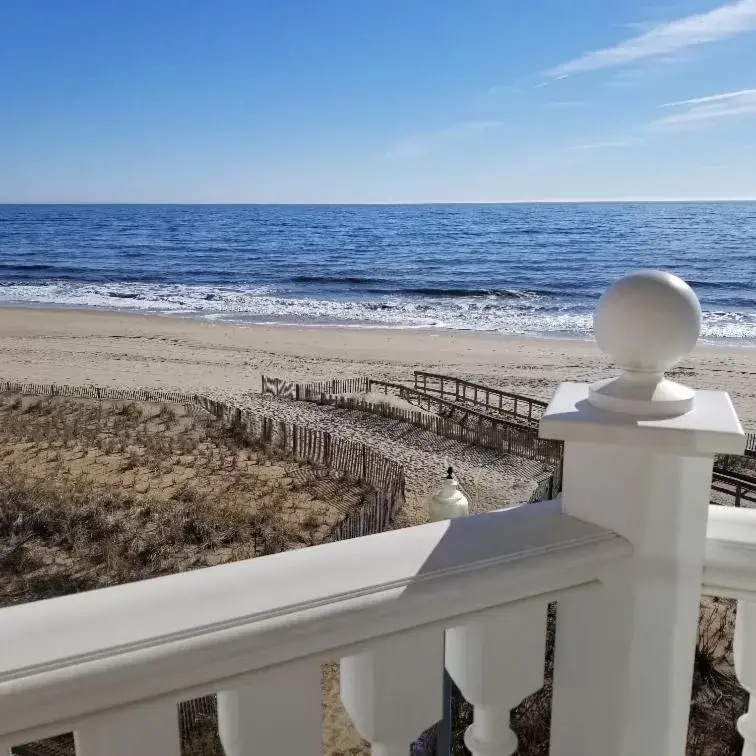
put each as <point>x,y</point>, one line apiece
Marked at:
<point>385,101</point>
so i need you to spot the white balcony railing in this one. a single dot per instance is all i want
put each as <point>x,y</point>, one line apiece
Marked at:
<point>627,552</point>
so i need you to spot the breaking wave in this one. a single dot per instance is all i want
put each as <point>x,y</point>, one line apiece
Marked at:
<point>527,315</point>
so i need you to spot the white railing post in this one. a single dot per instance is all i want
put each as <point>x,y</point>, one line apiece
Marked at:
<point>638,460</point>
<point>393,692</point>
<point>496,662</point>
<point>745,668</point>
<point>275,711</point>
<point>151,729</point>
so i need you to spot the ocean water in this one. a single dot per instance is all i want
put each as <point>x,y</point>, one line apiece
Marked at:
<point>530,269</point>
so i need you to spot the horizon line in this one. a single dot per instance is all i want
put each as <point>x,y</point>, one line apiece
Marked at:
<point>557,201</point>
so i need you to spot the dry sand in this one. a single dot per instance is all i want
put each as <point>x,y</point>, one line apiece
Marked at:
<point>113,349</point>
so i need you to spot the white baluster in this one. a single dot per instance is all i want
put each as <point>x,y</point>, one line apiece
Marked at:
<point>745,668</point>
<point>147,729</point>
<point>277,714</point>
<point>496,662</point>
<point>638,460</point>
<point>393,692</point>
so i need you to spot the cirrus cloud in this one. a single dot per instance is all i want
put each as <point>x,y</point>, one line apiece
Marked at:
<point>667,39</point>
<point>724,105</point>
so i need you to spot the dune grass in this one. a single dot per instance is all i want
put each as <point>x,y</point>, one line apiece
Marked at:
<point>100,493</point>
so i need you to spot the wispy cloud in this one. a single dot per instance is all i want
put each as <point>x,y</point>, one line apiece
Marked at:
<point>724,105</point>
<point>682,114</point>
<point>713,98</point>
<point>425,143</point>
<point>666,39</point>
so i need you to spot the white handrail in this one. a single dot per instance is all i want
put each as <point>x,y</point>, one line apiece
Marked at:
<point>196,632</point>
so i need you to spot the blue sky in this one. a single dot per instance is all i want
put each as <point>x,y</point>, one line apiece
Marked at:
<point>384,101</point>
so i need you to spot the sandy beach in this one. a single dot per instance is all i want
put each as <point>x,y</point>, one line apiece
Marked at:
<point>129,350</point>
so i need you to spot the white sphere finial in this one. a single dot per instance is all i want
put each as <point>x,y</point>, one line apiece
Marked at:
<point>646,322</point>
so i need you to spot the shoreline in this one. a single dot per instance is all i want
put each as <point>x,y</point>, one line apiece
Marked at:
<point>222,319</point>
<point>127,349</point>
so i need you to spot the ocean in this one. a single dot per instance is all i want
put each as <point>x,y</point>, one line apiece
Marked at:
<point>526,269</point>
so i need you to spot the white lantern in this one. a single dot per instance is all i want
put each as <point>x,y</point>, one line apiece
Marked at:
<point>449,501</point>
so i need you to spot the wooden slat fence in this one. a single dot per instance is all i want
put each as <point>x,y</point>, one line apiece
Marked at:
<point>503,437</point>
<point>309,391</point>
<point>740,488</point>
<point>548,485</point>
<point>750,450</point>
<point>278,388</point>
<point>510,436</point>
<point>520,408</point>
<point>315,446</point>
<point>312,445</point>
<point>488,431</point>
<point>98,392</point>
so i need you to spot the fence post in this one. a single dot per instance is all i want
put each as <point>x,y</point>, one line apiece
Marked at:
<point>638,461</point>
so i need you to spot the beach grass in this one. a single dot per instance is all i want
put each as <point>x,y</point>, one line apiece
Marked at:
<point>101,493</point>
